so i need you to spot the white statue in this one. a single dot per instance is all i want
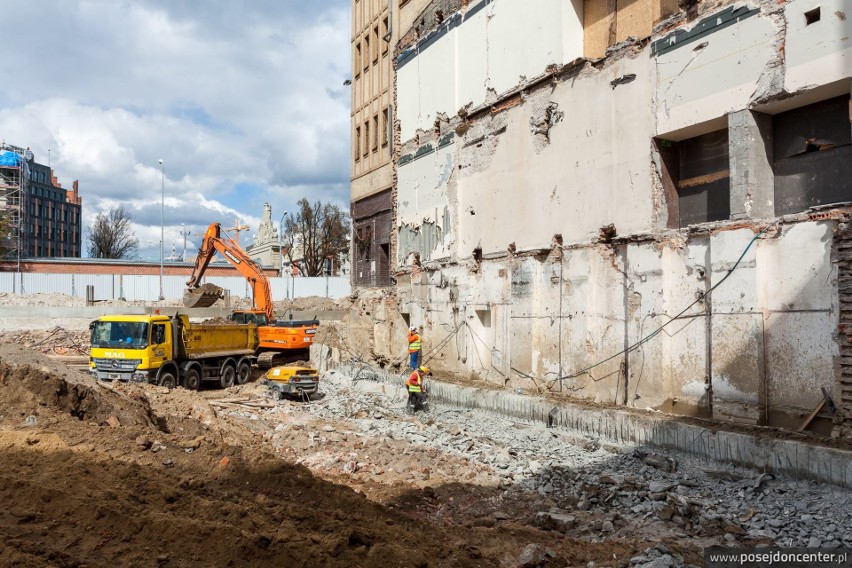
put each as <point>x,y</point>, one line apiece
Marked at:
<point>266,233</point>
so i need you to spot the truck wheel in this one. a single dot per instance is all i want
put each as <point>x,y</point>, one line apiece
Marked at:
<point>192,380</point>
<point>228,376</point>
<point>168,380</point>
<point>243,372</point>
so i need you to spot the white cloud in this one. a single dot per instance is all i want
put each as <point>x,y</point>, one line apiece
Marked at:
<point>243,102</point>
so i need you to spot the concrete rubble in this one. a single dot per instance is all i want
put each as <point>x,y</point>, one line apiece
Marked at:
<point>570,484</point>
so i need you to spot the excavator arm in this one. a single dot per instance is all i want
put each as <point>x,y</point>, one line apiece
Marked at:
<point>203,296</point>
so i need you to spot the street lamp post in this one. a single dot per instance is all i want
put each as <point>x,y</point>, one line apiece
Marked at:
<point>162,220</point>
<point>183,232</point>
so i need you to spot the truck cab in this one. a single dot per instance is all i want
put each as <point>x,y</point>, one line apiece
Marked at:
<point>130,347</point>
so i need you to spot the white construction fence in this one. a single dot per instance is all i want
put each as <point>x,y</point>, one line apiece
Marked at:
<point>146,288</point>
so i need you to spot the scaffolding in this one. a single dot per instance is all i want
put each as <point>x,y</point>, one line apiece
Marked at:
<point>14,180</point>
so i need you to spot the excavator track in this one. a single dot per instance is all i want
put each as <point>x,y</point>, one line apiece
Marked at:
<point>269,359</point>
<point>202,297</point>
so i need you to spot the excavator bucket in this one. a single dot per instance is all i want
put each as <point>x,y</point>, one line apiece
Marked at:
<point>202,297</point>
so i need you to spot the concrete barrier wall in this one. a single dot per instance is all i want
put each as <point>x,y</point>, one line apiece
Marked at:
<point>146,288</point>
<point>791,458</point>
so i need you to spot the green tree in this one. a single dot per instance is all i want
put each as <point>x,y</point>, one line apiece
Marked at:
<point>315,233</point>
<point>111,236</point>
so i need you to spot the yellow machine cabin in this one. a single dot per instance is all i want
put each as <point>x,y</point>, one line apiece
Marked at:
<point>171,351</point>
<point>292,380</point>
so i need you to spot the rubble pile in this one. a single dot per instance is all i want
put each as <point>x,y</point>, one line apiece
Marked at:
<point>56,341</point>
<point>549,478</point>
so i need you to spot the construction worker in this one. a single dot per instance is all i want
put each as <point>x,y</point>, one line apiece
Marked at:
<point>416,391</point>
<point>413,347</point>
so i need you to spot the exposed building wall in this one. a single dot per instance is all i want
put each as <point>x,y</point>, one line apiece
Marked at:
<point>425,229</point>
<point>817,50</point>
<point>757,349</point>
<point>549,237</point>
<point>711,68</point>
<point>480,52</point>
<point>374,31</point>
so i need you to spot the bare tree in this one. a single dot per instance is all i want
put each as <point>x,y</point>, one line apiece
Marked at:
<point>8,235</point>
<point>317,232</point>
<point>110,236</point>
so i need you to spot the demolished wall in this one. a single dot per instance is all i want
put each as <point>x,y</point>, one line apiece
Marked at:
<point>542,235</point>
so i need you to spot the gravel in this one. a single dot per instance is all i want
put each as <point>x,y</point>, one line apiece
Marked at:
<point>676,492</point>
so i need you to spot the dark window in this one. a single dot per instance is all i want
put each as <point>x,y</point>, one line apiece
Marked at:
<point>386,129</point>
<point>703,179</point>
<point>385,36</point>
<point>158,334</point>
<point>812,152</point>
<point>812,16</point>
<point>365,242</point>
<point>366,58</point>
<point>366,138</point>
<point>357,144</point>
<point>357,59</point>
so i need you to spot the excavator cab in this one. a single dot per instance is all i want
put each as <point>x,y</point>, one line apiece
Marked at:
<point>250,317</point>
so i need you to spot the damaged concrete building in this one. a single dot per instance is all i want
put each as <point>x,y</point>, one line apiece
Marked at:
<point>642,203</point>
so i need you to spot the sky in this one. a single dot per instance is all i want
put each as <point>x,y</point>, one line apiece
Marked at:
<point>243,100</point>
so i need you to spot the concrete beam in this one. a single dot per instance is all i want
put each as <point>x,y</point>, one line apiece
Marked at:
<point>750,154</point>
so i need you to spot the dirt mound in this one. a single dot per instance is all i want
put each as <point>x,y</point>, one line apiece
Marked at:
<point>106,475</point>
<point>32,383</point>
<point>312,303</point>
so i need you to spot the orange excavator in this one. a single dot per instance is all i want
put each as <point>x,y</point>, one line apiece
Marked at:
<point>280,342</point>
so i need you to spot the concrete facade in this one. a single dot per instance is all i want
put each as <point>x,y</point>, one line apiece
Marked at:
<point>374,31</point>
<point>555,214</point>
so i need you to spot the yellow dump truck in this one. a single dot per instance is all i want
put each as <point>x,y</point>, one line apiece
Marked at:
<point>171,351</point>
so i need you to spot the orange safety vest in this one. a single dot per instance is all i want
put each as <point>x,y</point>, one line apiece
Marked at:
<point>414,381</point>
<point>413,342</point>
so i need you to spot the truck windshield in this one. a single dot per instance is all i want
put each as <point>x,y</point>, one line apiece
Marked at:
<point>131,335</point>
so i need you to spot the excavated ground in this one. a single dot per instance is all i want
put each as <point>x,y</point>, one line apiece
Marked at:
<point>100,475</point>
<point>113,474</point>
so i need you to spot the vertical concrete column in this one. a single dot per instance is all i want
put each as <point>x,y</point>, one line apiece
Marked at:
<point>750,154</point>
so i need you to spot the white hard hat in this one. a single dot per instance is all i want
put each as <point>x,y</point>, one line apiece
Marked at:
<point>413,328</point>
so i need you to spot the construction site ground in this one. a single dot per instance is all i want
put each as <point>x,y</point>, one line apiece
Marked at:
<point>105,474</point>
